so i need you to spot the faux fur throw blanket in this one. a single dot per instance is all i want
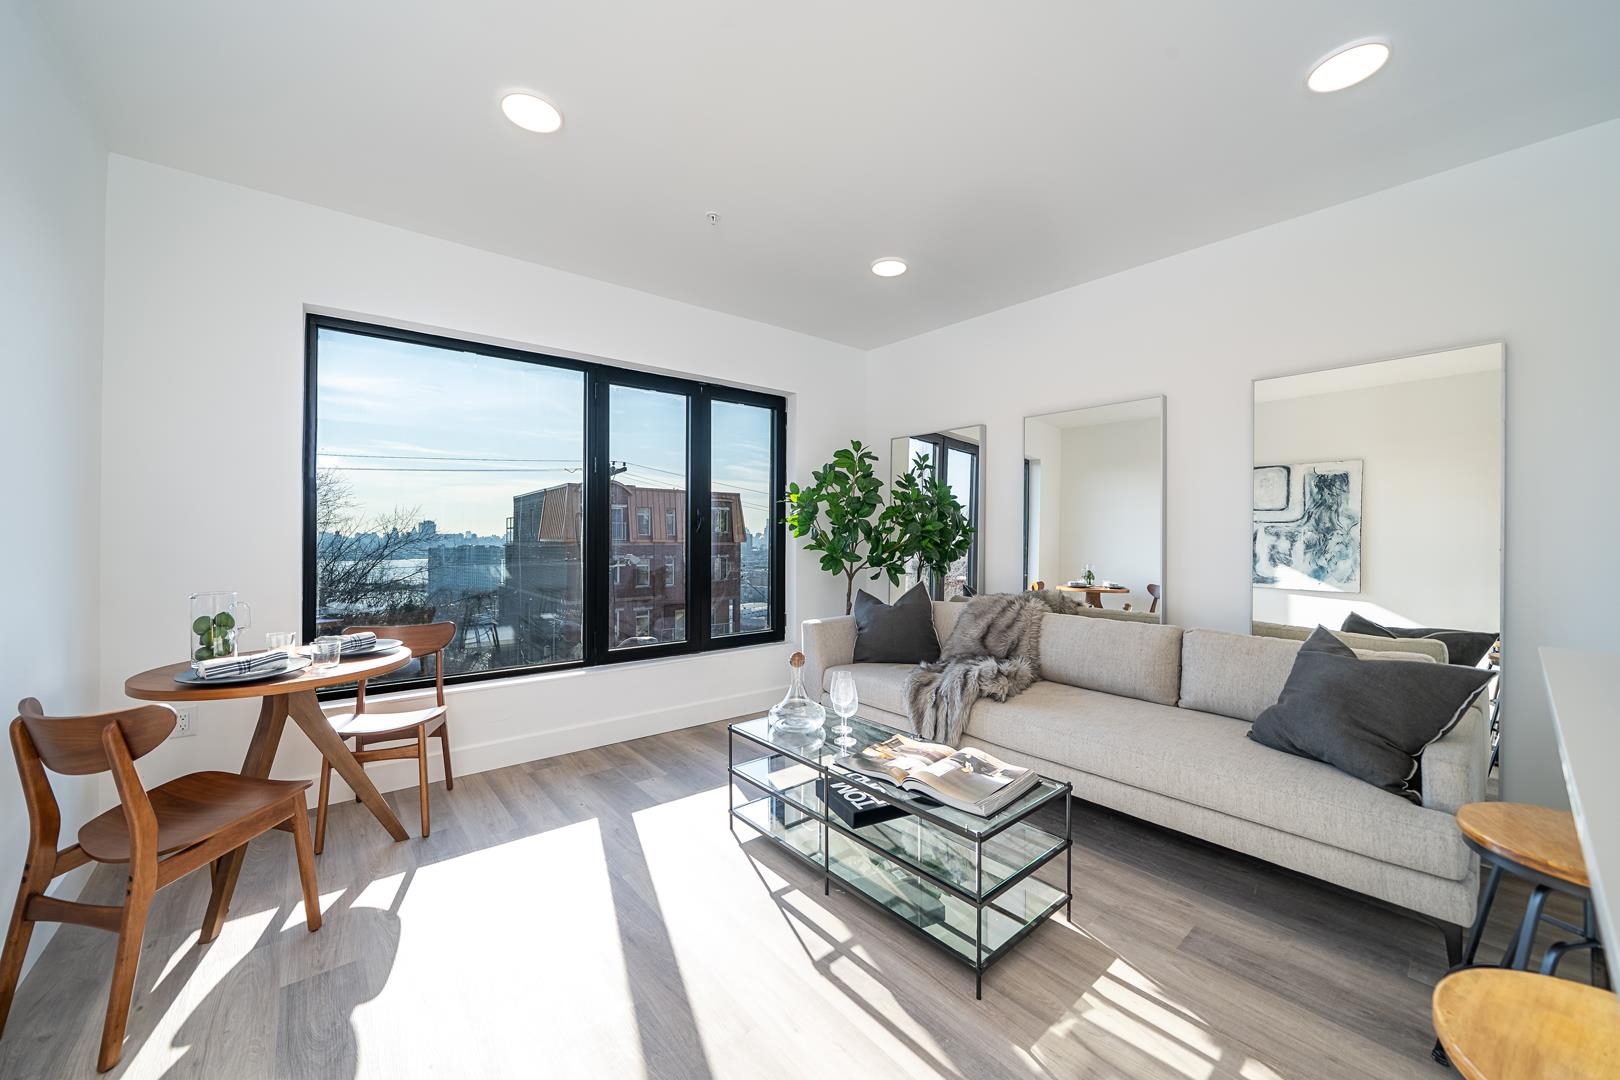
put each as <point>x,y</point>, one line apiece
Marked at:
<point>993,651</point>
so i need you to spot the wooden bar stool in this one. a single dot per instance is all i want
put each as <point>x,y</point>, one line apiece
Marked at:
<point>415,725</point>
<point>1514,1025</point>
<point>160,835</point>
<point>1541,846</point>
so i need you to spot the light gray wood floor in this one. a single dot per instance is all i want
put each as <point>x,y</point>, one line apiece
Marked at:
<point>593,916</point>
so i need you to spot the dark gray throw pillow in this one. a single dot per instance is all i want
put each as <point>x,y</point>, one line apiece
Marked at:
<point>1369,718</point>
<point>1466,647</point>
<point>898,633</point>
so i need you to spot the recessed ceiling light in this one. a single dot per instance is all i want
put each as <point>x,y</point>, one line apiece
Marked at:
<point>1348,66</point>
<point>889,267</point>
<point>531,113</point>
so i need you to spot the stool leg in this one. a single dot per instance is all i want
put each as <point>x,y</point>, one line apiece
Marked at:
<point>1527,930</point>
<point>1476,931</point>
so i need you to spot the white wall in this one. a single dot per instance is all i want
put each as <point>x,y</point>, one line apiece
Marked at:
<point>1112,506</point>
<point>207,286</point>
<point>51,195</point>
<point>1519,248</point>
<point>1431,454</point>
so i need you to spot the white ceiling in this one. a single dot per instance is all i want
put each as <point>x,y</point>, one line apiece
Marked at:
<point>1006,150</point>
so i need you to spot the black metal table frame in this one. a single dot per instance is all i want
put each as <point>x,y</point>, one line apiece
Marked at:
<point>1517,956</point>
<point>979,899</point>
<point>1518,953</point>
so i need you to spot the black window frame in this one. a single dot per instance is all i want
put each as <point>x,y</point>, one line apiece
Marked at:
<point>596,542</point>
<point>939,462</point>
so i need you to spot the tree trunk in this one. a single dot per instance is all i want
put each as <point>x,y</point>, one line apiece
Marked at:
<point>849,591</point>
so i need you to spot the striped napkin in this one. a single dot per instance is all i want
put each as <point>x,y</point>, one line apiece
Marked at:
<point>252,664</point>
<point>364,641</point>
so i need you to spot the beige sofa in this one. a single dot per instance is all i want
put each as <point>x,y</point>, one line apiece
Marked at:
<point>1152,721</point>
<point>1434,650</point>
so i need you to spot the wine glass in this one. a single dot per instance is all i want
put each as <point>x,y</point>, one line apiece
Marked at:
<point>844,703</point>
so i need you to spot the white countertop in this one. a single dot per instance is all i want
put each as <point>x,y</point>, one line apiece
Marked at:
<point>1586,710</point>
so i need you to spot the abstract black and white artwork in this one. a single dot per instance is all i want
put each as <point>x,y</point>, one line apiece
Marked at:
<point>1307,526</point>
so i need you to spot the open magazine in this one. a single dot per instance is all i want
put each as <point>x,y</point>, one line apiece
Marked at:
<point>967,779</point>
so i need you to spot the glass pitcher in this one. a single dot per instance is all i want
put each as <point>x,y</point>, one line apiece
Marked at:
<point>217,620</point>
<point>796,713</point>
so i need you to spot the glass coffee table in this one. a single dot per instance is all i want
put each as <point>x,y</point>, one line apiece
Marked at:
<point>964,882</point>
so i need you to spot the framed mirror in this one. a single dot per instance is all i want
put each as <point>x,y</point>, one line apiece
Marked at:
<point>956,455</point>
<point>1094,504</point>
<point>1377,500</point>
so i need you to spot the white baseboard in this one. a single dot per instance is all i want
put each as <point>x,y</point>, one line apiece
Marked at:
<point>498,753</point>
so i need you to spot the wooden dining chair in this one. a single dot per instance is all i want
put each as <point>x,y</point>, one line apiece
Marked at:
<point>160,835</point>
<point>409,730</point>
<point>1153,591</point>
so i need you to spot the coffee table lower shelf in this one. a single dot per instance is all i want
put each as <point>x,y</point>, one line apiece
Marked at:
<point>872,864</point>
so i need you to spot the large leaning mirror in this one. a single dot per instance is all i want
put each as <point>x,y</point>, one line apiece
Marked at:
<point>1094,506</point>
<point>954,455</point>
<point>1378,500</point>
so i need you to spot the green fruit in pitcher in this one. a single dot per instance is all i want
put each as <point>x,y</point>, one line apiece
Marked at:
<point>201,625</point>
<point>204,653</point>
<point>224,620</point>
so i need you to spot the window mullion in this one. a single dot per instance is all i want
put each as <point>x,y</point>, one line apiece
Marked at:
<point>700,591</point>
<point>597,599</point>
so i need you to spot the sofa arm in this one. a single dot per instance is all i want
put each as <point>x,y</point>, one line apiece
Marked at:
<point>826,643</point>
<point>1454,767</point>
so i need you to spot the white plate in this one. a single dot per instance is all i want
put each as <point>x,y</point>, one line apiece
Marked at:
<point>294,666</point>
<point>384,644</point>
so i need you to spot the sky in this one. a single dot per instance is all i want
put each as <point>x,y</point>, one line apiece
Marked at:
<point>458,434</point>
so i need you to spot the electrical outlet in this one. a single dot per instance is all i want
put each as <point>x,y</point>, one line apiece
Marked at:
<point>182,724</point>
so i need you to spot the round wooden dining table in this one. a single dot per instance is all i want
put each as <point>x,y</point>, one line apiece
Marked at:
<point>1095,593</point>
<point>287,695</point>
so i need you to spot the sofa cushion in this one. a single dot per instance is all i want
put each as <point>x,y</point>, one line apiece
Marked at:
<point>1138,660</point>
<point>1240,676</point>
<point>1208,761</point>
<point>1371,721</point>
<point>1434,650</point>
<point>1465,647</point>
<point>881,686</point>
<point>898,633</point>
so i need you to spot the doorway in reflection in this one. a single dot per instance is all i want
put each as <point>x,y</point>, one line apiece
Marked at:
<point>1094,505</point>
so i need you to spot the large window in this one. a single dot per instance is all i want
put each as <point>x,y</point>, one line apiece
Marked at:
<point>540,503</point>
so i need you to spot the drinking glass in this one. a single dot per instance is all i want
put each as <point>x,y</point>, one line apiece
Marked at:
<point>326,652</point>
<point>274,641</point>
<point>844,703</point>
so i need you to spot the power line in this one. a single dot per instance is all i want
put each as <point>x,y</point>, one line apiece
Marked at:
<point>440,457</point>
<point>413,469</point>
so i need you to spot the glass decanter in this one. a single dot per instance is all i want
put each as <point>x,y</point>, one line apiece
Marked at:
<point>796,712</point>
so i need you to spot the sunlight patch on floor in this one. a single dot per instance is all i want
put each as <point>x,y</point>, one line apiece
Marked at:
<point>1123,972</point>
<point>523,939</point>
<point>1124,1016</point>
<point>788,934</point>
<point>171,1037</point>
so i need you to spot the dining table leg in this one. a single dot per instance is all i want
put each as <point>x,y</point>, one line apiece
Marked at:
<point>261,754</point>
<point>306,713</point>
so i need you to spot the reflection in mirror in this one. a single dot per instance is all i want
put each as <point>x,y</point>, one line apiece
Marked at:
<point>955,454</point>
<point>1094,503</point>
<point>1378,501</point>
